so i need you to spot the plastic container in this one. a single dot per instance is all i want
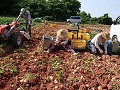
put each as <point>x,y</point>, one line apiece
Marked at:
<point>70,35</point>
<point>37,19</point>
<point>85,36</point>
<point>78,44</point>
<point>75,36</point>
<point>81,30</point>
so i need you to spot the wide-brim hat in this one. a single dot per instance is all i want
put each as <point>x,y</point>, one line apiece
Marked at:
<point>62,32</point>
<point>106,35</point>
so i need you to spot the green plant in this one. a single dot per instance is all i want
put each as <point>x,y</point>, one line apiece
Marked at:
<point>13,69</point>
<point>40,50</point>
<point>55,65</point>
<point>73,80</point>
<point>22,55</point>
<point>4,20</point>
<point>2,71</point>
<point>59,75</point>
<point>108,71</point>
<point>56,62</point>
<point>116,87</point>
<point>28,76</point>
<point>46,80</point>
<point>41,63</point>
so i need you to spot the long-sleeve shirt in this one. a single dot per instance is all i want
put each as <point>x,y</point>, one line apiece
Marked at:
<point>97,40</point>
<point>25,15</point>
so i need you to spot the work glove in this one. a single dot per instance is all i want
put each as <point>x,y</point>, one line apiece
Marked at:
<point>62,43</point>
<point>101,51</point>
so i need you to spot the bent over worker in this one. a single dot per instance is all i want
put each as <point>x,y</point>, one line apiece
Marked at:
<point>99,43</point>
<point>25,14</point>
<point>62,42</point>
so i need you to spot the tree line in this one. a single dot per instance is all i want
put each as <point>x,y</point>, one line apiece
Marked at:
<point>55,10</point>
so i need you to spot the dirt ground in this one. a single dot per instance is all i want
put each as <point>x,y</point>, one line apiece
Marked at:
<point>30,68</point>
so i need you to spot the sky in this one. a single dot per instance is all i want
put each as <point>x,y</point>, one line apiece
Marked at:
<point>98,8</point>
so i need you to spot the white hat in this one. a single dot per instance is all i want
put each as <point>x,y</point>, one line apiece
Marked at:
<point>62,32</point>
<point>23,10</point>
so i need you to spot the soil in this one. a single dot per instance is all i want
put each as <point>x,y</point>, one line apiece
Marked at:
<point>29,67</point>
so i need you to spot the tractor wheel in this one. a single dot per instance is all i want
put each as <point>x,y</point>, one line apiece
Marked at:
<point>16,40</point>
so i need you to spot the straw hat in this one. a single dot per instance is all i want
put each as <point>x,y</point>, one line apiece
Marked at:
<point>106,35</point>
<point>62,32</point>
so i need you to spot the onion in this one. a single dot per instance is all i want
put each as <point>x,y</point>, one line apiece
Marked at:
<point>22,80</point>
<point>19,88</point>
<point>51,78</point>
<point>35,60</point>
<point>55,81</point>
<point>56,87</point>
<point>25,81</point>
<point>99,87</point>
<point>78,68</point>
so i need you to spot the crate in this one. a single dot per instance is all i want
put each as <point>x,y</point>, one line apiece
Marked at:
<point>75,36</point>
<point>78,44</point>
<point>85,36</point>
<point>70,35</point>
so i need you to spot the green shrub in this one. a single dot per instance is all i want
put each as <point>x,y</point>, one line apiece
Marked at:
<point>4,20</point>
<point>49,18</point>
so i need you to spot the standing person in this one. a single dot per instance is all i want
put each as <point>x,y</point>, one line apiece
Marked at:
<point>27,17</point>
<point>62,42</point>
<point>100,43</point>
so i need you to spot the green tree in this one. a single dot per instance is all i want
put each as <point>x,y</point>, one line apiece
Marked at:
<point>60,10</point>
<point>85,17</point>
<point>7,6</point>
<point>105,19</point>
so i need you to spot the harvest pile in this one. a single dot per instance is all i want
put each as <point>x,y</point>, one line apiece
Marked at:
<point>30,68</point>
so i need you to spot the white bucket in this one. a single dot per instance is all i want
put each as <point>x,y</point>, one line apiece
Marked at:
<point>47,41</point>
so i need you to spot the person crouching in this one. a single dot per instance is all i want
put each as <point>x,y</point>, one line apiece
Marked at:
<point>61,42</point>
<point>100,43</point>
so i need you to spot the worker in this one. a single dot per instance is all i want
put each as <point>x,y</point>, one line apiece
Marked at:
<point>102,43</point>
<point>61,42</point>
<point>27,17</point>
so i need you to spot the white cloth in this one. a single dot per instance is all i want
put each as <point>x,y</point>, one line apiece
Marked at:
<point>97,40</point>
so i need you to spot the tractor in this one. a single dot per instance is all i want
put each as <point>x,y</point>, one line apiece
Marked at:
<point>13,34</point>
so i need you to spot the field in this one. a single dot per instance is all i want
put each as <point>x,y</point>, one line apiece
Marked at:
<point>30,68</point>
